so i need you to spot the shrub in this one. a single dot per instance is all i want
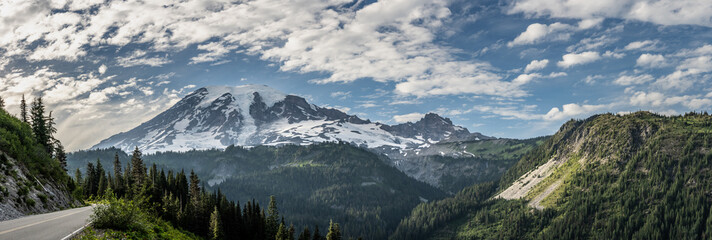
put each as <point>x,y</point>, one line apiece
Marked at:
<point>42,198</point>
<point>24,190</point>
<point>118,215</point>
<point>29,201</point>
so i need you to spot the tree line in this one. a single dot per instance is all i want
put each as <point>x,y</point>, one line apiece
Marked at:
<point>179,198</point>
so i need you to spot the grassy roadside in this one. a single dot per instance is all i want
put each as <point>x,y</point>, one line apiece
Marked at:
<point>124,219</point>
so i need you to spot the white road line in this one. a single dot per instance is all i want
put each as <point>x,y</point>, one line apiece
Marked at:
<point>75,232</point>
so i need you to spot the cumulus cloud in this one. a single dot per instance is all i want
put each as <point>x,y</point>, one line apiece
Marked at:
<point>592,43</point>
<point>650,60</point>
<point>687,73</point>
<point>538,32</point>
<point>410,117</point>
<point>572,110</point>
<point>627,80</point>
<point>664,12</point>
<point>528,77</point>
<point>573,59</point>
<point>138,58</point>
<point>657,99</point>
<point>647,45</point>
<point>102,69</point>
<point>536,65</point>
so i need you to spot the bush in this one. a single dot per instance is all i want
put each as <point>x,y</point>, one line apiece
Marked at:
<point>42,198</point>
<point>24,190</point>
<point>29,201</point>
<point>118,215</point>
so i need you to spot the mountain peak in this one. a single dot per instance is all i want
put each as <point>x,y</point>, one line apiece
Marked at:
<point>434,117</point>
<point>250,115</point>
<point>242,93</point>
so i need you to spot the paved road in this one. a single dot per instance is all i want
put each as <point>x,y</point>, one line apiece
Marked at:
<point>55,225</point>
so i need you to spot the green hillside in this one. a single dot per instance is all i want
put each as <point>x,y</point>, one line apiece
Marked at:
<point>636,176</point>
<point>31,180</point>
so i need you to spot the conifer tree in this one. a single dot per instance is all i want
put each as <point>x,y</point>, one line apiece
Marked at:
<point>317,235</point>
<point>334,232</point>
<point>194,189</point>
<point>39,124</point>
<point>138,171</point>
<point>282,232</point>
<point>290,232</point>
<point>272,223</point>
<point>60,155</point>
<point>78,176</point>
<point>89,185</point>
<point>23,109</point>
<point>98,176</point>
<point>102,185</point>
<point>119,179</point>
<point>215,225</point>
<point>51,128</point>
<point>2,103</point>
<point>305,235</point>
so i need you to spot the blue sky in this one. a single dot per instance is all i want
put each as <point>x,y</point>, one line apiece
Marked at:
<point>516,68</point>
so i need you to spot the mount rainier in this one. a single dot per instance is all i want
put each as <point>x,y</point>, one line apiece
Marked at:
<point>250,115</point>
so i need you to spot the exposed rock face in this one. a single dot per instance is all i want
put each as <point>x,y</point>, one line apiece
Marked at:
<point>250,115</point>
<point>22,194</point>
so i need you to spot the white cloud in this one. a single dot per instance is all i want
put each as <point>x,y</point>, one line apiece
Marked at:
<point>612,54</point>
<point>528,77</point>
<point>138,58</point>
<point>573,59</point>
<point>214,51</point>
<point>592,43</point>
<point>525,78</point>
<point>536,65</point>
<point>572,110</point>
<point>647,45</point>
<point>555,114</point>
<point>658,100</point>
<point>102,69</point>
<point>664,12</point>
<point>410,117</point>
<point>341,94</point>
<point>538,32</point>
<point>627,80</point>
<point>589,23</point>
<point>650,60</point>
<point>687,73</point>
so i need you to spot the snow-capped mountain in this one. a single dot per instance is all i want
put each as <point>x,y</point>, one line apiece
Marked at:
<point>250,115</point>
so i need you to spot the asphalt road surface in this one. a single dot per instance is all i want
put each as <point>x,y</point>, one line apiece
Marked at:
<point>55,225</point>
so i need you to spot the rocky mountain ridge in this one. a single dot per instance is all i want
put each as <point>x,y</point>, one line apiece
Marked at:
<point>252,115</point>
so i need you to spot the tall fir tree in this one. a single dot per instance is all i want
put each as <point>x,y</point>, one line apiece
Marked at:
<point>334,231</point>
<point>2,103</point>
<point>23,109</point>
<point>216,229</point>
<point>60,155</point>
<point>138,171</point>
<point>78,176</point>
<point>317,235</point>
<point>51,127</point>
<point>119,178</point>
<point>39,123</point>
<point>305,235</point>
<point>272,223</point>
<point>282,232</point>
